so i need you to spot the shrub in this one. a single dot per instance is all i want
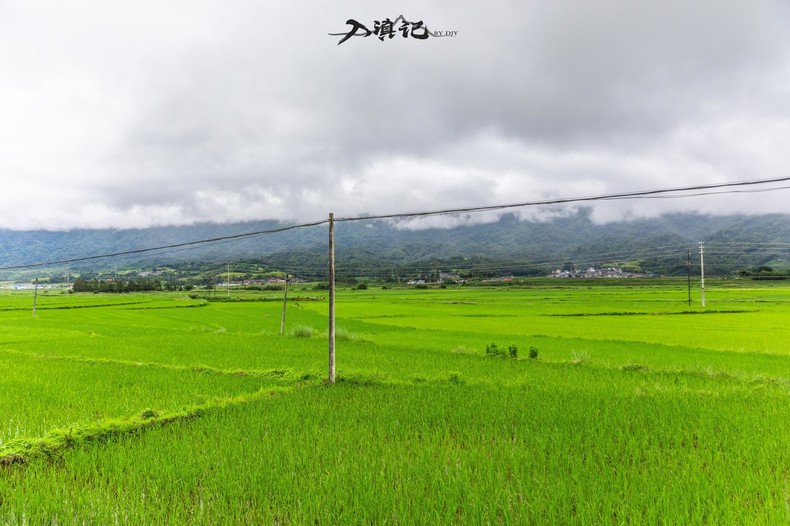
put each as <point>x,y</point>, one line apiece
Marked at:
<point>533,352</point>
<point>494,350</point>
<point>303,331</point>
<point>513,351</point>
<point>579,358</point>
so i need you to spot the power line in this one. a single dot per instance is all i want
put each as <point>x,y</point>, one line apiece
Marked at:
<point>166,247</point>
<point>603,197</point>
<point>622,195</point>
<point>698,194</point>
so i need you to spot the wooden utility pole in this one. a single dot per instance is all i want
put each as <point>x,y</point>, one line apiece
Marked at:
<point>35,296</point>
<point>688,273</point>
<point>285,302</point>
<point>331,298</point>
<point>702,269</point>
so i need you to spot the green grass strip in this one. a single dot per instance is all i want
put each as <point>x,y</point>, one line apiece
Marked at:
<point>289,376</point>
<point>284,374</point>
<point>24,450</point>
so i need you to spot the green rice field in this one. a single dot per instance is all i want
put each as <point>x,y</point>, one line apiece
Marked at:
<point>622,405</point>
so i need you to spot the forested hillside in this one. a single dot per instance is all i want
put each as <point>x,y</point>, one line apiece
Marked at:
<point>510,245</point>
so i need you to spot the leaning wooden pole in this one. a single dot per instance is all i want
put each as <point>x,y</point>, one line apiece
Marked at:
<point>331,298</point>
<point>35,296</point>
<point>285,306</point>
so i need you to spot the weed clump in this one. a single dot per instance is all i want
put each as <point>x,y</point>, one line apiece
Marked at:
<point>494,350</point>
<point>148,414</point>
<point>580,358</point>
<point>513,351</point>
<point>303,331</point>
<point>533,352</point>
<point>500,352</point>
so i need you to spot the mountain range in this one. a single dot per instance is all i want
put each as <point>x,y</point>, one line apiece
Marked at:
<point>372,247</point>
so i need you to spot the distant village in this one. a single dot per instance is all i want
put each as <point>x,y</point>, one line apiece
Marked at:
<point>589,273</point>
<point>441,277</point>
<point>592,272</point>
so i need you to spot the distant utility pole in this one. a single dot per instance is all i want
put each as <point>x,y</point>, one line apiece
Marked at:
<point>228,287</point>
<point>35,296</point>
<point>688,273</point>
<point>702,269</point>
<point>331,298</point>
<point>285,303</point>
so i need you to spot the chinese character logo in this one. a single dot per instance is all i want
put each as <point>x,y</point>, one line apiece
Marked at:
<point>389,29</point>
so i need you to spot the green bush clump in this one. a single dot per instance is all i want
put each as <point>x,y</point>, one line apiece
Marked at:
<point>513,351</point>
<point>533,352</point>
<point>494,350</point>
<point>303,331</point>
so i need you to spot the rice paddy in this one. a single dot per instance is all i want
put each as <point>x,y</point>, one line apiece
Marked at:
<point>635,408</point>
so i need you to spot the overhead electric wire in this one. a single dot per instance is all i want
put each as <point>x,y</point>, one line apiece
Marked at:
<point>406,215</point>
<point>166,247</point>
<point>698,194</point>
<point>604,197</point>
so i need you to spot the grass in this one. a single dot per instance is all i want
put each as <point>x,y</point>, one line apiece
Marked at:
<point>145,412</point>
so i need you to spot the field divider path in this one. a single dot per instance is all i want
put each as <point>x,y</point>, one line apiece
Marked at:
<point>291,377</point>
<point>23,450</point>
<point>203,369</point>
<point>71,307</point>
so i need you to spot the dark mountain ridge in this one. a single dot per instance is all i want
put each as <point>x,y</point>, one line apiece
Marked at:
<point>658,245</point>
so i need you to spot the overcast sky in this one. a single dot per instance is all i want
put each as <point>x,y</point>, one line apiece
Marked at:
<point>138,113</point>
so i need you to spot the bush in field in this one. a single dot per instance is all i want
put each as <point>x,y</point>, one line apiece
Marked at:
<point>494,350</point>
<point>303,331</point>
<point>580,357</point>
<point>533,352</point>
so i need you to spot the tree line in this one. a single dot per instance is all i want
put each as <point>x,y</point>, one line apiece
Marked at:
<point>132,285</point>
